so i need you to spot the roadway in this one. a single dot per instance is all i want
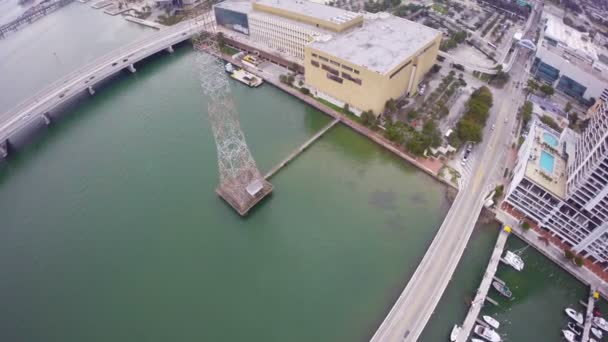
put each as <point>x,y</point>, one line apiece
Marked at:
<point>414,307</point>
<point>59,92</point>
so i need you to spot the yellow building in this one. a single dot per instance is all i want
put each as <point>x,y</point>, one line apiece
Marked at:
<point>383,59</point>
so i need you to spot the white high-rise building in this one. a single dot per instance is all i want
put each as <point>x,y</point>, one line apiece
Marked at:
<point>562,183</point>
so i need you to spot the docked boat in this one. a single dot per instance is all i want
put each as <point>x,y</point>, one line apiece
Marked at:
<point>455,332</point>
<point>600,323</point>
<point>487,333</point>
<point>477,340</point>
<point>569,335</point>
<point>491,321</point>
<point>229,68</point>
<point>247,78</point>
<point>514,260</point>
<point>597,332</point>
<point>572,327</point>
<point>575,316</point>
<point>502,289</point>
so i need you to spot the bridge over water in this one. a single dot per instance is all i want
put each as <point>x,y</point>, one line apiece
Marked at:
<point>32,14</point>
<point>37,107</point>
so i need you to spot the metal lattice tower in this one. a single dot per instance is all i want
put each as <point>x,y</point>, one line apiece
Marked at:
<point>241,183</point>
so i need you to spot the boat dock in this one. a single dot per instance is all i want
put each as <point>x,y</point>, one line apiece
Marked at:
<point>300,149</point>
<point>482,292</point>
<point>589,315</point>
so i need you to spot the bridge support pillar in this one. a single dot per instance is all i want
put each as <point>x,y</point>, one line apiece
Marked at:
<point>131,68</point>
<point>91,90</point>
<point>3,149</point>
<point>47,118</point>
<point>170,49</point>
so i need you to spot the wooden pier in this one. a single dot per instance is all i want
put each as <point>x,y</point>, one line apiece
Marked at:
<point>484,287</point>
<point>589,315</point>
<point>300,149</point>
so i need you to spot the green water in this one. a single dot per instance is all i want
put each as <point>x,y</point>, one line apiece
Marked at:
<point>111,230</point>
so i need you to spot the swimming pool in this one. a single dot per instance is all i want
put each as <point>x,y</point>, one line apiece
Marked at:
<point>550,140</point>
<point>547,161</point>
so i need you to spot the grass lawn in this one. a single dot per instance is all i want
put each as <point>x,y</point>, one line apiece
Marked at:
<point>228,50</point>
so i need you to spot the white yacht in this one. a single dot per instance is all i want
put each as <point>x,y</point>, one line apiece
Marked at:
<point>569,335</point>
<point>487,333</point>
<point>575,316</point>
<point>600,323</point>
<point>597,332</point>
<point>455,332</point>
<point>491,321</point>
<point>514,260</point>
<point>477,340</point>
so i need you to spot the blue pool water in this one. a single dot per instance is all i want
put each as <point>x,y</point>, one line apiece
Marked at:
<point>550,139</point>
<point>547,160</point>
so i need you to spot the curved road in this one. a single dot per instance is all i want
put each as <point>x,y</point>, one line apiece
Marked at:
<point>414,307</point>
<point>67,87</point>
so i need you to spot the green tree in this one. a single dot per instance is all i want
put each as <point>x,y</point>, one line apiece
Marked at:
<point>432,135</point>
<point>346,108</point>
<point>573,118</point>
<point>393,133</point>
<point>368,118</point>
<point>468,131</point>
<point>579,261</point>
<point>547,89</point>
<point>221,42</point>
<point>568,107</point>
<point>547,120</point>
<point>390,106</point>
<point>569,254</point>
<point>526,112</point>
<point>290,79</point>
<point>498,191</point>
<point>526,225</point>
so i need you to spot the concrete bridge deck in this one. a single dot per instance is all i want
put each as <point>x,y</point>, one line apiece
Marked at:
<point>85,78</point>
<point>484,287</point>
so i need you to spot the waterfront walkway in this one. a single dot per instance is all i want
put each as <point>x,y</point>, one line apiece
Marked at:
<point>299,150</point>
<point>551,251</point>
<point>484,287</point>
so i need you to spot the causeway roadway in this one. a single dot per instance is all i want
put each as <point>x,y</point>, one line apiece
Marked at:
<point>414,307</point>
<point>37,106</point>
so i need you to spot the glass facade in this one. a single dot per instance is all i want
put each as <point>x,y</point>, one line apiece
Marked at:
<point>545,71</point>
<point>571,87</point>
<point>232,20</point>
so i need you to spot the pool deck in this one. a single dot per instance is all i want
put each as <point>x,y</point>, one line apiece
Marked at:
<point>554,181</point>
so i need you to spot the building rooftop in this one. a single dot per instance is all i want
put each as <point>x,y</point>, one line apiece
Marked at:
<point>242,6</point>
<point>546,166</point>
<point>380,44</point>
<point>312,9</point>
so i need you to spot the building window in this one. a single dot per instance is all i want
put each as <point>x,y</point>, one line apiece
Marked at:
<point>401,68</point>
<point>334,63</point>
<point>315,55</point>
<point>314,63</point>
<point>323,59</point>
<point>347,67</point>
<point>334,78</point>
<point>356,71</point>
<point>350,78</point>
<point>330,69</point>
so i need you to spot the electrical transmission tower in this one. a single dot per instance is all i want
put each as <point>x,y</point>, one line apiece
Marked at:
<point>241,183</point>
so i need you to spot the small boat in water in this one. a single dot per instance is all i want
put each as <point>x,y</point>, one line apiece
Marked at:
<point>600,323</point>
<point>514,260</point>
<point>569,335</point>
<point>491,321</point>
<point>575,316</point>
<point>572,327</point>
<point>487,333</point>
<point>597,332</point>
<point>455,332</point>
<point>502,289</point>
<point>477,340</point>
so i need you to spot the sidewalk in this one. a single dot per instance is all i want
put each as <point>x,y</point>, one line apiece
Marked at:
<point>553,249</point>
